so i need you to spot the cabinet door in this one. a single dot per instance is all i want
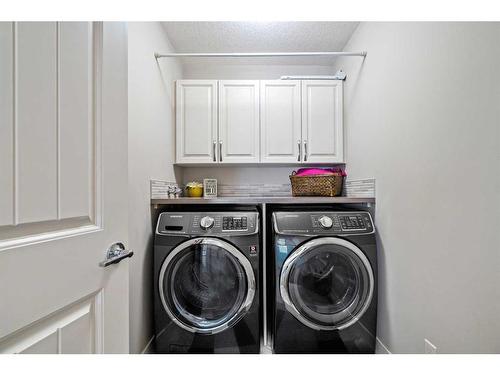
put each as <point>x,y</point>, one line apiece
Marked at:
<point>322,127</point>
<point>196,121</point>
<point>238,121</point>
<point>280,121</point>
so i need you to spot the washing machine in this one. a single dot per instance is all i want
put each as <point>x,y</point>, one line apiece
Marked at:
<point>206,282</point>
<point>325,282</point>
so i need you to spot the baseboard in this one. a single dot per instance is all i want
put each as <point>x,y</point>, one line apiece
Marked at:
<point>380,348</point>
<point>148,349</point>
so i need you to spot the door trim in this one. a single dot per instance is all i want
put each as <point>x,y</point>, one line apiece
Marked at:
<point>244,262</point>
<point>306,247</point>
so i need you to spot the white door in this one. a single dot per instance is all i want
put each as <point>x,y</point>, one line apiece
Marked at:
<point>63,187</point>
<point>196,121</point>
<point>281,137</point>
<point>322,121</point>
<point>239,121</point>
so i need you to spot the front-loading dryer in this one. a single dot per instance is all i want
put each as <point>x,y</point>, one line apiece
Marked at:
<point>206,282</point>
<point>325,277</point>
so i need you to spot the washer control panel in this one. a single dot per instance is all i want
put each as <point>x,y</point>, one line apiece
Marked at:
<point>316,223</point>
<point>208,223</point>
<point>342,222</point>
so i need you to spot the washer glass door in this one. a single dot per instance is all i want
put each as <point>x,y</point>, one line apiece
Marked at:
<point>206,285</point>
<point>327,283</point>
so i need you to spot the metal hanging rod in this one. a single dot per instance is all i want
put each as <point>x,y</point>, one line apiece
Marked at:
<point>259,54</point>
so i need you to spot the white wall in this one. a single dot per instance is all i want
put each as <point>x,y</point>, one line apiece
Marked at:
<point>253,71</point>
<point>151,155</point>
<point>240,174</point>
<point>422,116</point>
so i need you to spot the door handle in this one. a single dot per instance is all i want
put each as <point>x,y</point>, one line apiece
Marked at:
<point>215,151</point>
<point>305,150</point>
<point>300,153</point>
<point>220,151</point>
<point>115,254</point>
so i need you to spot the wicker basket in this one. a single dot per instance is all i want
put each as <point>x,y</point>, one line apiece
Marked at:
<point>316,185</point>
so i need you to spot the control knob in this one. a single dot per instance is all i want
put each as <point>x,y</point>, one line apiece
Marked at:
<point>207,222</point>
<point>325,221</point>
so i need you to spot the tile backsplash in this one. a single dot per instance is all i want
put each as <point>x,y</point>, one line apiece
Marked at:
<point>352,188</point>
<point>255,190</point>
<point>360,188</point>
<point>164,189</point>
<point>160,190</point>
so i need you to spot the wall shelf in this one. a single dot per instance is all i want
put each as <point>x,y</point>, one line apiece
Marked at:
<point>261,200</point>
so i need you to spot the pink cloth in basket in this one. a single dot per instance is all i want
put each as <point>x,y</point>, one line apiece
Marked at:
<point>317,171</point>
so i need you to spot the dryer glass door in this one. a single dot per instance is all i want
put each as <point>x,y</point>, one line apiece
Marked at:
<point>206,285</point>
<point>327,283</point>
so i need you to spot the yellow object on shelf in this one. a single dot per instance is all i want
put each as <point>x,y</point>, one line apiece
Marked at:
<point>194,189</point>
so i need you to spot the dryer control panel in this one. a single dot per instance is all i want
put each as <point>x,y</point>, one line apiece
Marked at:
<point>316,223</point>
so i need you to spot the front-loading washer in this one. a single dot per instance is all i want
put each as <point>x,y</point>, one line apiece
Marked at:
<point>325,282</point>
<point>206,282</point>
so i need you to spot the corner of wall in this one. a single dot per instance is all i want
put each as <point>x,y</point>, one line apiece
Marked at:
<point>151,155</point>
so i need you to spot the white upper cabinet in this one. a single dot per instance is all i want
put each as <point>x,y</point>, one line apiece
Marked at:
<point>239,121</point>
<point>322,124</point>
<point>274,121</point>
<point>280,121</point>
<point>196,121</point>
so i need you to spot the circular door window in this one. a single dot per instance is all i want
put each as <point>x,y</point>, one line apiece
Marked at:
<point>206,285</point>
<point>327,283</point>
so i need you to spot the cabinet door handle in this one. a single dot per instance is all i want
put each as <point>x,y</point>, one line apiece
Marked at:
<point>305,150</point>
<point>220,151</point>
<point>215,151</point>
<point>298,144</point>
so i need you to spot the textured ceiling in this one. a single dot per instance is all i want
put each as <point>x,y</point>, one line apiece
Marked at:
<point>259,37</point>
